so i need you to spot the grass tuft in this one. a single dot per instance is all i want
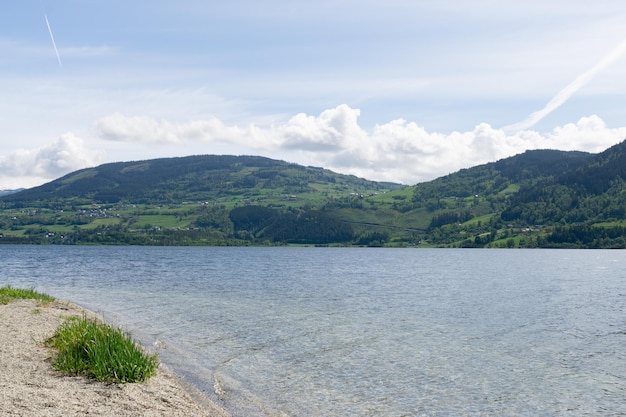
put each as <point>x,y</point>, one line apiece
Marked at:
<point>97,350</point>
<point>9,293</point>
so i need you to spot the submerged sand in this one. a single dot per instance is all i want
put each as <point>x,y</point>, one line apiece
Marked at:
<point>29,386</point>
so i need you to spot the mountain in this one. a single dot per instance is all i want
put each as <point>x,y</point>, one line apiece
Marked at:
<point>199,200</point>
<point>193,178</point>
<point>493,178</point>
<point>544,193</point>
<point>540,198</point>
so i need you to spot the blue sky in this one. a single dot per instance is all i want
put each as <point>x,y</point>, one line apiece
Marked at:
<point>392,90</point>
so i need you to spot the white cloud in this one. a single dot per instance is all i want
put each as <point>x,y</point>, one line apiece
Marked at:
<point>395,151</point>
<point>34,166</point>
<point>401,151</point>
<point>333,130</point>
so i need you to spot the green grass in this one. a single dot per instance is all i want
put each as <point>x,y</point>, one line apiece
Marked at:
<point>161,220</point>
<point>399,195</point>
<point>484,219</point>
<point>99,351</point>
<point>512,188</point>
<point>111,221</point>
<point>87,347</point>
<point>9,293</point>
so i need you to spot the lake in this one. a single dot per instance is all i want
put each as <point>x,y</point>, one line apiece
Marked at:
<point>362,332</point>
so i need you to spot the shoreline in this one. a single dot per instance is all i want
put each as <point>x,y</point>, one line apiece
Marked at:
<point>29,385</point>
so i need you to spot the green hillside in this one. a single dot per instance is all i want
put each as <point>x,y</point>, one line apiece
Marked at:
<point>190,200</point>
<point>541,198</point>
<point>208,178</point>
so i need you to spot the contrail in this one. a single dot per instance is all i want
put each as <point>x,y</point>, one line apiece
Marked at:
<point>53,42</point>
<point>563,95</point>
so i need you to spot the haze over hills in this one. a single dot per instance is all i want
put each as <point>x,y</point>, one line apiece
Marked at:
<point>7,192</point>
<point>541,198</point>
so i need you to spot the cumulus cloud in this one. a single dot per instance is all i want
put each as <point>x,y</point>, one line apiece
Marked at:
<point>399,150</point>
<point>35,166</point>
<point>334,130</point>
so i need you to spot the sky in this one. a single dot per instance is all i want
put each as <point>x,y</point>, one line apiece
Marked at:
<point>388,90</point>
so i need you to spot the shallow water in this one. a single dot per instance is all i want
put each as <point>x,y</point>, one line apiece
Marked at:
<point>362,332</point>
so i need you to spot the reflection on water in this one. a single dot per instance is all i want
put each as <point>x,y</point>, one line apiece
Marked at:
<point>362,332</point>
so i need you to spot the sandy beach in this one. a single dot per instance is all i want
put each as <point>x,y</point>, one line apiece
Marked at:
<point>29,386</point>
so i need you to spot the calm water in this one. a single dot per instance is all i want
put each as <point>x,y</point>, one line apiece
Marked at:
<point>362,332</point>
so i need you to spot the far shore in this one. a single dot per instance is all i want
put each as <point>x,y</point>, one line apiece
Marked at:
<point>29,386</point>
